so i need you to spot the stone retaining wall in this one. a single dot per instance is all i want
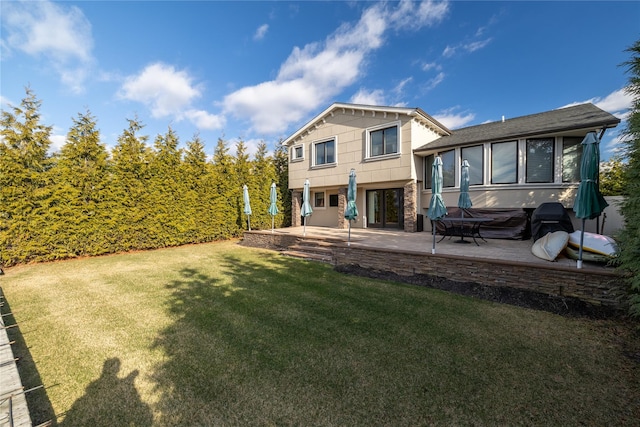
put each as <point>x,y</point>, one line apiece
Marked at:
<point>594,287</point>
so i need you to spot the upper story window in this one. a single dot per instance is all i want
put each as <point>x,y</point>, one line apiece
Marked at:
<point>571,159</point>
<point>475,156</point>
<point>540,159</point>
<point>297,153</point>
<point>504,162</point>
<point>383,140</point>
<point>448,168</point>
<point>324,152</point>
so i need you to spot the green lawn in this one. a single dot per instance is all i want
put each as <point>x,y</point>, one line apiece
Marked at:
<point>219,334</point>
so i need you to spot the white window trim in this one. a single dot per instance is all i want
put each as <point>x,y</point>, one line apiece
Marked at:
<point>368,156</point>
<point>326,201</point>
<point>293,151</point>
<point>335,154</point>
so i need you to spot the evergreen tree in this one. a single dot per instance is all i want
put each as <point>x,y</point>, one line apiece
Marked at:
<point>243,176</point>
<point>612,177</point>
<point>224,215</point>
<point>83,215</point>
<point>281,164</point>
<point>265,174</point>
<point>198,196</point>
<point>130,189</point>
<point>629,236</point>
<point>167,190</point>
<point>25,191</point>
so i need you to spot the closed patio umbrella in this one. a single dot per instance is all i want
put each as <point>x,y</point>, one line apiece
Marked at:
<point>273,205</point>
<point>247,204</point>
<point>437,210</point>
<point>589,203</point>
<point>464,200</point>
<point>306,206</point>
<point>351,212</point>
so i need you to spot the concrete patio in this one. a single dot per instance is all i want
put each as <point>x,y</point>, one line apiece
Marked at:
<point>518,251</point>
<point>495,262</point>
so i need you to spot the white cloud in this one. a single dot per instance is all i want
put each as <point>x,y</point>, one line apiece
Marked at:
<point>317,72</point>
<point>261,32</point>
<point>364,97</point>
<point>205,120</point>
<point>431,65</point>
<point>62,35</point>
<point>617,103</point>
<point>399,88</point>
<point>470,47</point>
<point>453,120</point>
<point>426,14</point>
<point>168,92</point>
<point>435,81</point>
<point>57,141</point>
<point>165,90</point>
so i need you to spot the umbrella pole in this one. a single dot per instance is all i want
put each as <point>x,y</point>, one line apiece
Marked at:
<point>304,229</point>
<point>349,241</point>
<point>433,229</point>
<point>272,223</point>
<point>581,244</point>
<point>249,221</point>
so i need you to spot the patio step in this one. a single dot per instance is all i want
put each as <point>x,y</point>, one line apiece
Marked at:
<point>310,249</point>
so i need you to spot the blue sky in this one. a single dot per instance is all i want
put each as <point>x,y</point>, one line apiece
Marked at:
<point>259,70</point>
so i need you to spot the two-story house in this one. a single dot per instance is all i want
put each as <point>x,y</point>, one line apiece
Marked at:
<point>517,163</point>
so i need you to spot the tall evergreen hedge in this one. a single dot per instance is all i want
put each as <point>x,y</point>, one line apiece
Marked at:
<point>87,200</point>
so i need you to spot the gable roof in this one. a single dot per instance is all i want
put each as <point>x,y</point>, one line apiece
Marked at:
<point>416,113</point>
<point>581,116</point>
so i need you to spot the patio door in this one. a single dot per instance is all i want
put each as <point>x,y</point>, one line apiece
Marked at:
<point>385,208</point>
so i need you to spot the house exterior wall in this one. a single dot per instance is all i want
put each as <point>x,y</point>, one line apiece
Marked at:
<point>349,128</point>
<point>521,195</point>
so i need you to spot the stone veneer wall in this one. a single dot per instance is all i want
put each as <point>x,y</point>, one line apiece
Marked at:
<point>410,208</point>
<point>594,287</point>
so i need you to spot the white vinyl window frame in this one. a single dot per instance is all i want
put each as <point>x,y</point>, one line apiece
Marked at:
<point>297,153</point>
<point>322,148</point>
<point>319,200</point>
<point>370,155</point>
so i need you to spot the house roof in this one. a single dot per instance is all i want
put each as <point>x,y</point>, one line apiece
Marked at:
<point>583,116</point>
<point>416,113</point>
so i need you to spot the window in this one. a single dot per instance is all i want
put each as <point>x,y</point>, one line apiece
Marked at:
<point>333,200</point>
<point>297,153</point>
<point>504,162</point>
<point>428,166</point>
<point>324,152</point>
<point>540,160</point>
<point>383,141</point>
<point>475,156</point>
<point>448,168</point>
<point>318,198</point>
<point>571,159</point>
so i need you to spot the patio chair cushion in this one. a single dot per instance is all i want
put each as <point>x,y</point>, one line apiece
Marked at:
<point>550,245</point>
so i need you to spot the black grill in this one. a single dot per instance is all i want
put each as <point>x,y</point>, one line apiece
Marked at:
<point>550,217</point>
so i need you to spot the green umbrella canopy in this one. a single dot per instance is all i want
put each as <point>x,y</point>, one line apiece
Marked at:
<point>589,202</point>
<point>351,212</point>
<point>245,196</point>
<point>437,209</point>
<point>273,199</point>
<point>306,206</point>
<point>464,200</point>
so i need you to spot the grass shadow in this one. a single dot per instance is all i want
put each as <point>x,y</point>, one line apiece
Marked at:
<point>40,408</point>
<point>110,400</point>
<point>237,339</point>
